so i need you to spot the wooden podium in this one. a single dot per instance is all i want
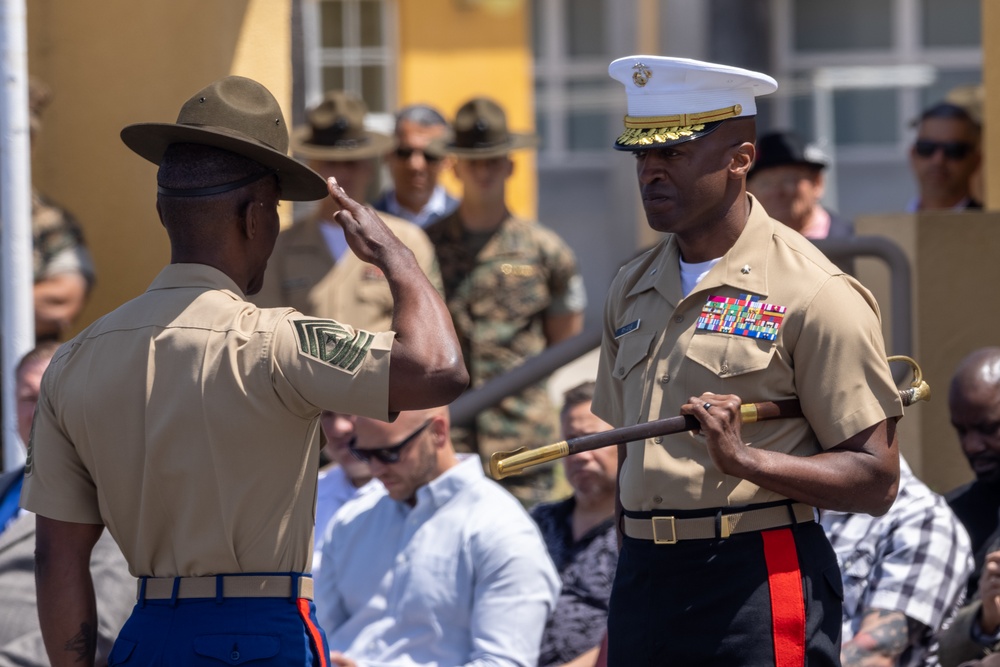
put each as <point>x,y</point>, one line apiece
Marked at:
<point>955,271</point>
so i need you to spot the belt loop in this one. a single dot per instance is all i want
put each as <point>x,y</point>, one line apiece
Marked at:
<point>293,593</point>
<point>791,513</point>
<point>173,593</point>
<point>718,524</point>
<point>142,591</point>
<point>219,588</point>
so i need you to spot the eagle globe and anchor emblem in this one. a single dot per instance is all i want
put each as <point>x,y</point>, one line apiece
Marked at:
<point>641,75</point>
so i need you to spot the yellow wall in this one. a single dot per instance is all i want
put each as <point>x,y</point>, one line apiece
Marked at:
<point>453,50</point>
<point>116,62</point>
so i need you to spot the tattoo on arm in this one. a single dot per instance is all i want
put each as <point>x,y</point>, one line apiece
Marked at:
<point>83,643</point>
<point>882,638</point>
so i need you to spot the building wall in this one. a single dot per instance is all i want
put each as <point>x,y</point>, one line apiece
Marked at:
<point>117,62</point>
<point>453,50</point>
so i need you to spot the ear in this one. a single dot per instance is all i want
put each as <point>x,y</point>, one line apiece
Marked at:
<point>510,167</point>
<point>820,182</point>
<point>742,159</point>
<point>159,213</point>
<point>250,218</point>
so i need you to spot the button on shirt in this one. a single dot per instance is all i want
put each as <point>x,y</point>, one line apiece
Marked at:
<point>828,353</point>
<point>461,578</point>
<point>186,421</point>
<point>914,559</point>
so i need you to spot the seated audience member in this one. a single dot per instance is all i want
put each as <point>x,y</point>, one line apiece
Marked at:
<point>312,269</point>
<point>580,535</point>
<point>63,268</point>
<point>945,158</point>
<point>20,634</point>
<point>441,567</point>
<point>346,477</point>
<point>974,405</point>
<point>787,178</point>
<point>976,631</point>
<point>415,166</point>
<point>904,575</point>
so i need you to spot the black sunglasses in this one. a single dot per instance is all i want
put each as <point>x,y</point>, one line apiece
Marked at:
<point>405,154</point>
<point>390,454</point>
<point>953,150</point>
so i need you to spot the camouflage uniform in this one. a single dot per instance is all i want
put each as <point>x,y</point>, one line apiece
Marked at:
<point>57,242</point>
<point>499,296</point>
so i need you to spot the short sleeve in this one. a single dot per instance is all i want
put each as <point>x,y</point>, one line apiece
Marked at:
<point>57,484</point>
<point>320,363</point>
<point>841,374</point>
<point>607,403</point>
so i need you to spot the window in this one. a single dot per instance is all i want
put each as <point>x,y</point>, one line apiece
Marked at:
<point>578,106</point>
<point>350,45</point>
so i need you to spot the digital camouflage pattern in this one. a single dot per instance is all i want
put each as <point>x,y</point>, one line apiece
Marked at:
<point>499,290</point>
<point>57,241</point>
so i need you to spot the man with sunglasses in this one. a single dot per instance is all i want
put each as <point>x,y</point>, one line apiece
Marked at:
<point>415,166</point>
<point>441,567</point>
<point>944,158</point>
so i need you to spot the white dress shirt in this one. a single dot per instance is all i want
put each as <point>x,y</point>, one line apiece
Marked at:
<point>332,490</point>
<point>461,578</point>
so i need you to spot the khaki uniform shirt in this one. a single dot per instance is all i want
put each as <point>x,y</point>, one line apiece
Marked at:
<point>499,299</point>
<point>828,353</point>
<point>302,274</point>
<point>185,421</point>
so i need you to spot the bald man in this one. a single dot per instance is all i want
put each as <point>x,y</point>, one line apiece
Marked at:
<point>443,567</point>
<point>974,403</point>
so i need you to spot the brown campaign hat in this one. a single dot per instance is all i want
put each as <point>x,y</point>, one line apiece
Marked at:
<point>480,131</point>
<point>238,115</point>
<point>335,131</point>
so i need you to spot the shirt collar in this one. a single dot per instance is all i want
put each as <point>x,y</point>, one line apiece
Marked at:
<point>174,276</point>
<point>743,267</point>
<point>435,207</point>
<point>449,484</point>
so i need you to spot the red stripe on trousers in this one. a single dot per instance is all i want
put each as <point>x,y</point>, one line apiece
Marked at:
<point>314,633</point>
<point>788,614</point>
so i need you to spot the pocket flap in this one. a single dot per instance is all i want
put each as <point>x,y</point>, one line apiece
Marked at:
<point>632,349</point>
<point>120,652</point>
<point>237,649</point>
<point>727,354</point>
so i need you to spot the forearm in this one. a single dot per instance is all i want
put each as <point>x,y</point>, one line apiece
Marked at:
<point>558,328</point>
<point>67,609</point>
<point>882,638</point>
<point>426,366</point>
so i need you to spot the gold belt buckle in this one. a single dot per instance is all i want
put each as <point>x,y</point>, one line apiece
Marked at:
<point>665,521</point>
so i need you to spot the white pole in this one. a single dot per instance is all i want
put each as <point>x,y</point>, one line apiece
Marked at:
<point>17,277</point>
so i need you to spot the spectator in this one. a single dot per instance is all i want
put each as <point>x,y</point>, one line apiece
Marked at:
<point>20,634</point>
<point>904,576</point>
<point>312,269</point>
<point>787,178</point>
<point>343,479</point>
<point>442,567</point>
<point>63,268</point>
<point>944,158</point>
<point>976,631</point>
<point>512,287</point>
<point>415,164</point>
<point>580,535</point>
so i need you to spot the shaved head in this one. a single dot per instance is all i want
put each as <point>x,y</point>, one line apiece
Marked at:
<point>974,403</point>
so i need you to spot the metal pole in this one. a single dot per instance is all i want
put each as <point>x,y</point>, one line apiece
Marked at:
<point>17,277</point>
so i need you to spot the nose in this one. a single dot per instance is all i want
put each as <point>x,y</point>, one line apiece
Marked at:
<point>973,443</point>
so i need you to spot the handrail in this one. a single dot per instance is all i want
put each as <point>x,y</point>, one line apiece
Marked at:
<point>472,402</point>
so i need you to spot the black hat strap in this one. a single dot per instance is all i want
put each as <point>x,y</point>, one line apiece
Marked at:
<point>212,190</point>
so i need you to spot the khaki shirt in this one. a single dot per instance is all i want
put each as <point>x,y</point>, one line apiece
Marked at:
<point>186,420</point>
<point>303,275</point>
<point>828,352</point>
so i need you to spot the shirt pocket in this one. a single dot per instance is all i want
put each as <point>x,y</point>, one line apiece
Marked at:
<point>728,355</point>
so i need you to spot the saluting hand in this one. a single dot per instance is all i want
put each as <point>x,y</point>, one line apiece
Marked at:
<point>719,416</point>
<point>367,235</point>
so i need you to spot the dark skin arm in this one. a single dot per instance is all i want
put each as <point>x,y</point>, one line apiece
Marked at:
<point>426,368</point>
<point>558,328</point>
<point>881,639</point>
<point>860,474</point>
<point>67,609</point>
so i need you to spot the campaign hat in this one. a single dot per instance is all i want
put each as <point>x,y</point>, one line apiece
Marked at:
<point>784,148</point>
<point>480,131</point>
<point>239,115</point>
<point>673,100</point>
<point>335,131</point>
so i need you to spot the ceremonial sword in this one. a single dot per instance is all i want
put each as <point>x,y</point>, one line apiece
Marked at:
<point>505,464</point>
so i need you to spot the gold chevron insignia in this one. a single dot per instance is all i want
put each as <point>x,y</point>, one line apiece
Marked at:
<point>332,343</point>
